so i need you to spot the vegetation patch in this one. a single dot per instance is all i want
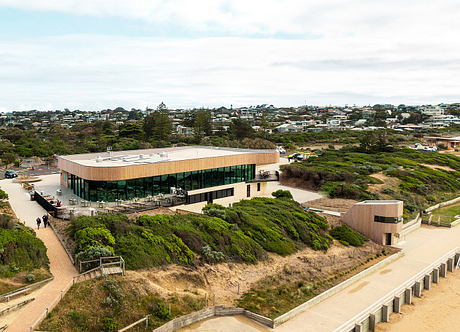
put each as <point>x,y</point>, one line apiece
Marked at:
<point>347,236</point>
<point>276,294</point>
<point>447,214</point>
<point>346,173</point>
<point>107,304</point>
<point>242,233</point>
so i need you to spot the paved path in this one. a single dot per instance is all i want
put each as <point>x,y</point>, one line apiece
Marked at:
<point>421,247</point>
<point>60,265</point>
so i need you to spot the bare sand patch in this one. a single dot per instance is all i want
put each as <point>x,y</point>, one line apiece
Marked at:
<point>446,168</point>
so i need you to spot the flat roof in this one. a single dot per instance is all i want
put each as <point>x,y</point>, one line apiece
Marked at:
<point>457,138</point>
<point>151,156</point>
<point>382,201</point>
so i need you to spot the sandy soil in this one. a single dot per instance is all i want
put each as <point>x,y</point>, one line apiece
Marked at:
<point>222,280</point>
<point>437,310</point>
<point>446,168</point>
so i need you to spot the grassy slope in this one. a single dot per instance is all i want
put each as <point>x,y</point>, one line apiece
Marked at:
<point>449,211</point>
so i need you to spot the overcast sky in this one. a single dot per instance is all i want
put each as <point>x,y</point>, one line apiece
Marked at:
<point>95,54</point>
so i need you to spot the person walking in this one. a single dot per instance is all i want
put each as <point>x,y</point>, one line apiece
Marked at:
<point>45,220</point>
<point>39,221</point>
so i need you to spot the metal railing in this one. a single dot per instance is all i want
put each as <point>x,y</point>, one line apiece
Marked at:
<point>350,324</point>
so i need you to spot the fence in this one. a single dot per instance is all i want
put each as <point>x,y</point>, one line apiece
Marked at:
<point>25,289</point>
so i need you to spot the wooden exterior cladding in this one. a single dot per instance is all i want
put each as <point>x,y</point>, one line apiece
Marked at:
<point>360,217</point>
<point>117,173</point>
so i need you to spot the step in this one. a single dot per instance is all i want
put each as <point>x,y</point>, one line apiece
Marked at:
<point>112,270</point>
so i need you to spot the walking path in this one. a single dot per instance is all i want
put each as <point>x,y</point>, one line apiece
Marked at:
<point>421,248</point>
<point>61,267</point>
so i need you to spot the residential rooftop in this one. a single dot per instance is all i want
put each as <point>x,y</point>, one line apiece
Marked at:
<point>383,201</point>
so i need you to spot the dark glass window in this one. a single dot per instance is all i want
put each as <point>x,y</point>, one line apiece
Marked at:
<point>388,220</point>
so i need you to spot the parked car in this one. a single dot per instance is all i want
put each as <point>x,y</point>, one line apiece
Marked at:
<point>280,149</point>
<point>419,146</point>
<point>10,174</point>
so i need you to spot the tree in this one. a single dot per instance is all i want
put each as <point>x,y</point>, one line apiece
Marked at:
<point>241,129</point>
<point>132,130</point>
<point>202,123</point>
<point>158,126</point>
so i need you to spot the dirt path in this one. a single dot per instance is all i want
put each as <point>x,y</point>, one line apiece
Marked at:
<point>60,265</point>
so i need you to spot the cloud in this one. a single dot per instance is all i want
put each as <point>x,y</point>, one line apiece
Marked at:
<point>276,52</point>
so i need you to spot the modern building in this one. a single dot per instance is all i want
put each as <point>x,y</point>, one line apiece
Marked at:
<point>451,143</point>
<point>205,173</point>
<point>379,220</point>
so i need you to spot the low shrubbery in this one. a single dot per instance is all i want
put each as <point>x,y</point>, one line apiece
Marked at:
<point>242,233</point>
<point>346,173</point>
<point>20,250</point>
<point>347,236</point>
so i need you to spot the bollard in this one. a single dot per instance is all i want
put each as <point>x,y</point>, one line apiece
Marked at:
<point>450,265</point>
<point>61,295</point>
<point>408,296</point>
<point>436,275</point>
<point>418,289</point>
<point>443,270</point>
<point>372,322</point>
<point>385,314</point>
<point>397,304</point>
<point>427,282</point>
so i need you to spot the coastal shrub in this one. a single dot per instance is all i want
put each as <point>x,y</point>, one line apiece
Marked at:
<point>282,194</point>
<point>348,236</point>
<point>94,237</point>
<point>3,195</point>
<point>109,324</point>
<point>20,250</point>
<point>244,232</point>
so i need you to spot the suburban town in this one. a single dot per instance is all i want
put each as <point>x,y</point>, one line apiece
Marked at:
<point>229,166</point>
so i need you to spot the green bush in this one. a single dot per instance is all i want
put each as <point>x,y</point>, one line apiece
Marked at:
<point>20,250</point>
<point>347,236</point>
<point>282,194</point>
<point>109,324</point>
<point>3,195</point>
<point>30,277</point>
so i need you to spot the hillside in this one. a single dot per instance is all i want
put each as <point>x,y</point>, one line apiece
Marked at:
<point>419,178</point>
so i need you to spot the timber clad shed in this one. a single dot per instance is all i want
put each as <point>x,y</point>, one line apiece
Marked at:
<point>380,220</point>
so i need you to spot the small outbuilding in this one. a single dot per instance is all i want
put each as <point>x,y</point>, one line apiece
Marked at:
<point>379,220</point>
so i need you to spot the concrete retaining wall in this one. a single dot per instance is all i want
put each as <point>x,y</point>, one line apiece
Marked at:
<point>442,204</point>
<point>334,290</point>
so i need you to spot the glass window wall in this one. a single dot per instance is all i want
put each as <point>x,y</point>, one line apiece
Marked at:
<point>142,187</point>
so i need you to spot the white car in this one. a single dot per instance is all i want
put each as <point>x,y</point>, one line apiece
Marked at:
<point>280,149</point>
<point>419,146</point>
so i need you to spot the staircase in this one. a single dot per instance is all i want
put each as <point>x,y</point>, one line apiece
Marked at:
<point>107,266</point>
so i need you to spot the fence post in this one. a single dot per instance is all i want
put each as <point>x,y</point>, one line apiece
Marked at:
<point>238,288</point>
<point>214,300</point>
<point>170,308</point>
<point>61,294</point>
<point>147,321</point>
<point>206,299</point>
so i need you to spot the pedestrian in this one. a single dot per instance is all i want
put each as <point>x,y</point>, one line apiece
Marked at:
<point>45,220</point>
<point>39,221</point>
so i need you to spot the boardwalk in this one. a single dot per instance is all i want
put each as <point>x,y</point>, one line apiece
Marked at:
<point>60,265</point>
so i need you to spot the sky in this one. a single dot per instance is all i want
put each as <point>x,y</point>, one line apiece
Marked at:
<point>98,54</point>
